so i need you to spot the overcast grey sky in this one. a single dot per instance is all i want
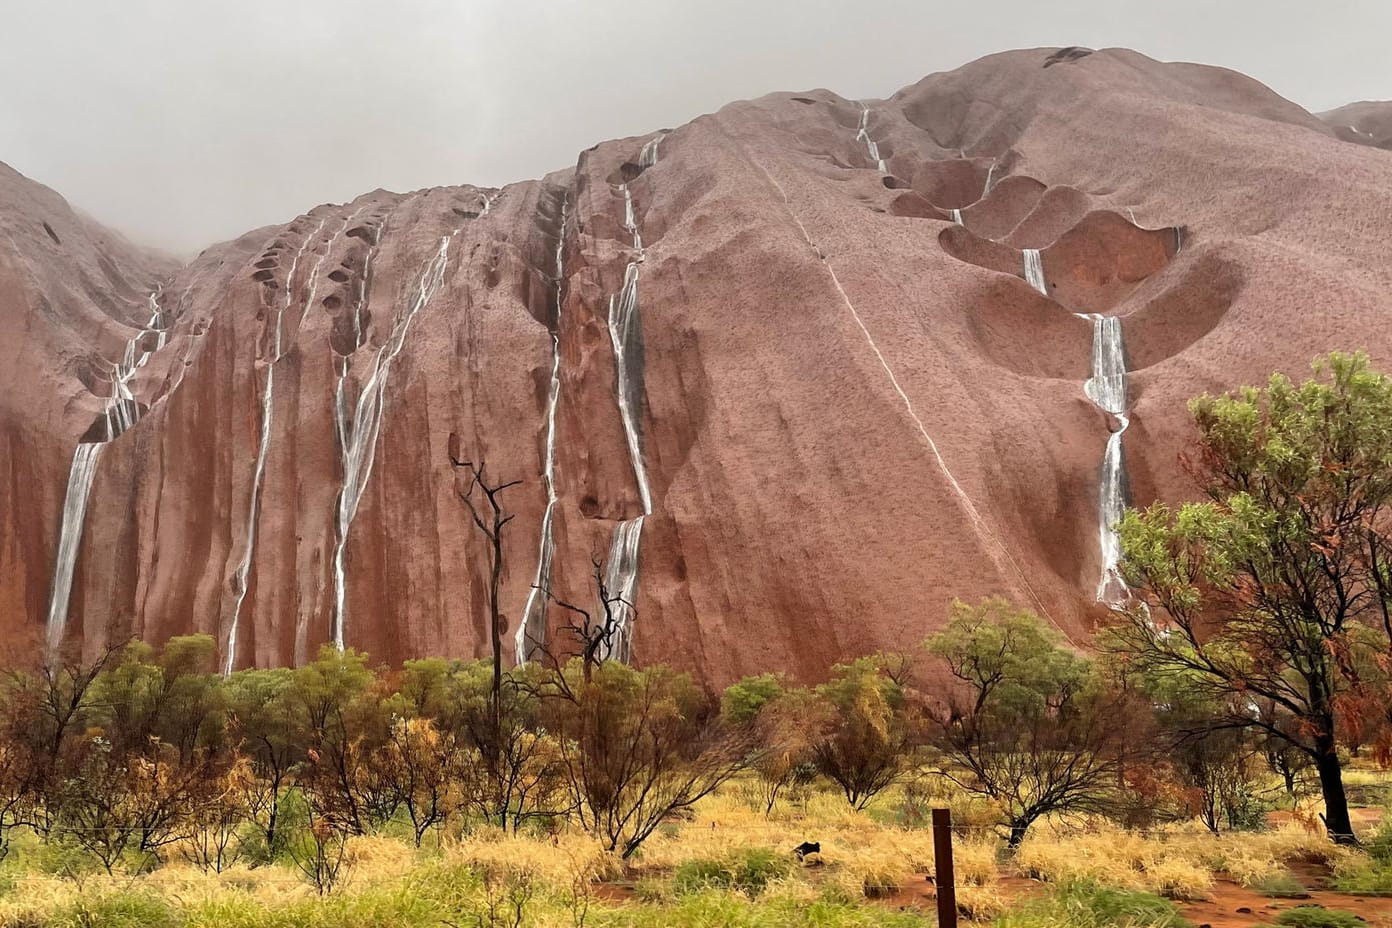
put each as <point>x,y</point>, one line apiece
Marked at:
<point>184,122</point>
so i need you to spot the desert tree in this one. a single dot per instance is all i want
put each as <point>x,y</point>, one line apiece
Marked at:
<point>1277,588</point>
<point>638,746</point>
<point>339,705</point>
<point>787,722</point>
<point>586,635</point>
<point>503,762</point>
<point>272,737</point>
<point>150,754</point>
<point>870,742</point>
<point>1025,721</point>
<point>1217,769</point>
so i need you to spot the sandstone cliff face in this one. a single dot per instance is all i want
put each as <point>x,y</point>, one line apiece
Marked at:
<point>843,402</point>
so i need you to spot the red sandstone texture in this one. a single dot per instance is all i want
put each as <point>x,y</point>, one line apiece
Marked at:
<point>850,409</point>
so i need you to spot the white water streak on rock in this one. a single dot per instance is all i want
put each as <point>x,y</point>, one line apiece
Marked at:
<point>358,433</point>
<point>531,631</point>
<point>84,468</point>
<point>240,574</point>
<point>621,569</point>
<point>863,135</point>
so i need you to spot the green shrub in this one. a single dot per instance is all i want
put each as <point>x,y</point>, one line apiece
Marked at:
<point>1281,886</point>
<point>1370,879</point>
<point>1087,905</point>
<point>121,910</point>
<point>1379,846</point>
<point>1316,916</point>
<point>749,871</point>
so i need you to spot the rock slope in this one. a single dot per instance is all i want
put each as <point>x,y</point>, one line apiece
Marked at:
<point>780,375</point>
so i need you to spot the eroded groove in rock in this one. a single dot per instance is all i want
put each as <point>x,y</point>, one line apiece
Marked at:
<point>358,432</point>
<point>771,368</point>
<point>531,630</point>
<point>239,579</point>
<point>625,333</point>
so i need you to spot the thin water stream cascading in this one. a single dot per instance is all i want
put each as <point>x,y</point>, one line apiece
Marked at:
<point>1107,390</point>
<point>863,134</point>
<point>531,631</point>
<point>358,432</point>
<point>84,468</point>
<point>621,570</point>
<point>243,569</point>
<point>957,217</point>
<point>120,414</point>
<point>1034,270</point>
<point>122,409</point>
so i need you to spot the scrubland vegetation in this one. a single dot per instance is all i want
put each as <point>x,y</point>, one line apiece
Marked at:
<point>1219,738</point>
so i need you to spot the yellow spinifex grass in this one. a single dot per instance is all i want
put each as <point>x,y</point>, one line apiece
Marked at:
<point>869,867</point>
<point>557,861</point>
<point>1178,861</point>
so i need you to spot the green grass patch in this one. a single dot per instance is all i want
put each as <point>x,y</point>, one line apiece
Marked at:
<point>1281,886</point>
<point>1088,905</point>
<point>750,871</point>
<point>1317,916</point>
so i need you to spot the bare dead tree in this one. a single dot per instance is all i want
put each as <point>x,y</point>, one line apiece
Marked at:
<point>486,508</point>
<point>593,633</point>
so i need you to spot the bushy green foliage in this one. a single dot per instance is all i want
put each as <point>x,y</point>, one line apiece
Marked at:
<point>743,700</point>
<point>1379,844</point>
<point>131,909</point>
<point>1281,885</point>
<point>1270,595</point>
<point>1373,878</point>
<point>873,730</point>
<point>1088,905</point>
<point>1027,722</point>
<point>749,871</point>
<point>1316,916</point>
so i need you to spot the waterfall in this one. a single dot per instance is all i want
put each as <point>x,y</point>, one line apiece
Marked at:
<point>623,322</point>
<point>957,217</point>
<point>621,582</point>
<point>1107,389</point>
<point>358,432</point>
<point>621,570</point>
<point>531,632</point>
<point>84,468</point>
<point>1112,589</point>
<point>631,220</point>
<point>122,409</point>
<point>990,177</point>
<point>239,575</point>
<point>1107,385</point>
<point>1034,270</point>
<point>647,156</point>
<point>863,134</point>
<point>121,412</point>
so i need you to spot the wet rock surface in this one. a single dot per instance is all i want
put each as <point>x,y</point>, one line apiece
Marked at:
<point>849,407</point>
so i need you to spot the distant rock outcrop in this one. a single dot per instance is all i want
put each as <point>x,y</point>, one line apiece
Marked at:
<point>1367,123</point>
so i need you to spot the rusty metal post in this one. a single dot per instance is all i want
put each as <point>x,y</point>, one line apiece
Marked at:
<point>942,868</point>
